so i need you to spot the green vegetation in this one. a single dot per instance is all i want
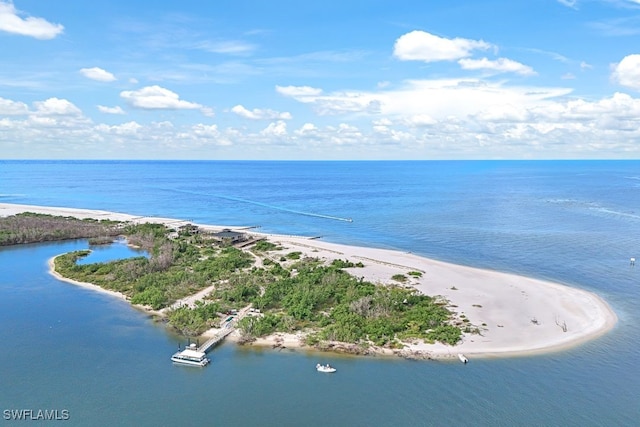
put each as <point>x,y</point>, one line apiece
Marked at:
<point>415,273</point>
<point>264,246</point>
<point>102,240</point>
<point>322,300</point>
<point>338,263</point>
<point>175,270</point>
<point>343,308</point>
<point>30,227</point>
<point>194,321</point>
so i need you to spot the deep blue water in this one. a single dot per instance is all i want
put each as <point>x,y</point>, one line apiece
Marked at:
<point>576,222</point>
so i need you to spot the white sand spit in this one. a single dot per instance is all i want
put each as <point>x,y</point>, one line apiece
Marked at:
<point>516,315</point>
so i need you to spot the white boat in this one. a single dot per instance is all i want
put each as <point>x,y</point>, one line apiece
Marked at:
<point>325,368</point>
<point>462,358</point>
<point>190,356</point>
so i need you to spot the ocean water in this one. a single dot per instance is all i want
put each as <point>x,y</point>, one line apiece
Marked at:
<point>574,222</point>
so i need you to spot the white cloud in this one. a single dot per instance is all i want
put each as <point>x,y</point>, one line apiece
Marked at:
<point>10,108</point>
<point>39,28</point>
<point>569,3</point>
<point>260,114</point>
<point>204,135</point>
<point>207,111</point>
<point>298,92</point>
<point>335,103</point>
<point>110,110</point>
<point>56,107</point>
<point>585,66</point>
<point>619,106</point>
<point>307,129</point>
<point>418,120</point>
<point>275,129</point>
<point>97,74</point>
<point>438,98</point>
<point>231,47</point>
<point>500,65</point>
<point>130,128</point>
<point>423,46</point>
<point>157,98</point>
<point>627,71</point>
<point>209,131</point>
<point>455,118</point>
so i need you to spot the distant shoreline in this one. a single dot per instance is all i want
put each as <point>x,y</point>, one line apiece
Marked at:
<point>517,315</point>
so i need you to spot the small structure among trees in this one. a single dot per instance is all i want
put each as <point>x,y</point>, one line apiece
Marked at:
<point>229,237</point>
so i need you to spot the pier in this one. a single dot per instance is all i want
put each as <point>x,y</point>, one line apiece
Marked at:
<point>221,335</point>
<point>226,330</point>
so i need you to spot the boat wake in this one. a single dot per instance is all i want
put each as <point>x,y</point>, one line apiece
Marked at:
<point>265,205</point>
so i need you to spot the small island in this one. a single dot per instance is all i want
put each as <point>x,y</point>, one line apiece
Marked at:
<point>290,291</point>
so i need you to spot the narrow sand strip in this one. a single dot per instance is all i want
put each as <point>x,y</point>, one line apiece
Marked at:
<point>516,314</point>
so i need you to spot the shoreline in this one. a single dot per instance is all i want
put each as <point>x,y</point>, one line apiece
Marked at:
<point>517,315</point>
<point>86,285</point>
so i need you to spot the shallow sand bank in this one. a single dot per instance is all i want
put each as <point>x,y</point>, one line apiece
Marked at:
<point>516,315</point>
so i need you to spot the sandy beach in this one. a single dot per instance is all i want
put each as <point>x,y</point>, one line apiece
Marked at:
<point>516,315</point>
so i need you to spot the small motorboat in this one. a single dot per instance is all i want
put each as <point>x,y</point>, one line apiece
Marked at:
<point>462,358</point>
<point>325,368</point>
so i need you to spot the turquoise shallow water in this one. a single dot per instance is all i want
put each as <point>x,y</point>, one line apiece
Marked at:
<point>65,347</point>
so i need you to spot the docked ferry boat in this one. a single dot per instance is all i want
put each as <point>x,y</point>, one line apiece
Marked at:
<point>190,356</point>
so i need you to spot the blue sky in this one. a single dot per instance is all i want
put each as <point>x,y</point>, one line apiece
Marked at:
<point>285,79</point>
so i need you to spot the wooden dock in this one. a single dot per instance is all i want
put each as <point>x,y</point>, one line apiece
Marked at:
<point>229,327</point>
<point>222,334</point>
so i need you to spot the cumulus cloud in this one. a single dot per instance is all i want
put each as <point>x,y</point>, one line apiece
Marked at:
<point>435,98</point>
<point>208,131</point>
<point>627,71</point>
<point>56,107</point>
<point>334,103</point>
<point>157,98</point>
<point>39,28</point>
<point>275,129</point>
<point>110,110</point>
<point>97,74</point>
<point>500,65</point>
<point>260,114</point>
<point>422,46</point>
<point>307,129</point>
<point>418,120</point>
<point>10,108</point>
<point>129,129</point>
<point>208,135</point>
